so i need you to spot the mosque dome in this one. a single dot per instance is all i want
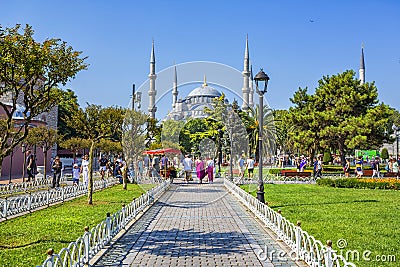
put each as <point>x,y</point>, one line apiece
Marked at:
<point>204,90</point>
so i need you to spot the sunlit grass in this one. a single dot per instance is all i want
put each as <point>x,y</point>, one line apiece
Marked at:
<point>25,240</point>
<point>366,219</point>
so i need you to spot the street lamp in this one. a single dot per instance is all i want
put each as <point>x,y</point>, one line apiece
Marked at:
<point>396,130</point>
<point>231,117</point>
<point>23,149</point>
<point>263,79</point>
<point>136,98</point>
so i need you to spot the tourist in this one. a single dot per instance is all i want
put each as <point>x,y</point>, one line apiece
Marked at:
<point>56,167</point>
<point>303,163</point>
<point>146,164</point>
<point>319,168</point>
<point>250,167</point>
<point>395,166</point>
<point>75,174</point>
<point>85,169</point>
<point>375,167</point>
<point>156,166</point>
<point>210,170</point>
<point>346,168</point>
<point>200,169</point>
<point>315,164</point>
<point>164,165</point>
<point>187,167</point>
<point>241,166</point>
<point>359,167</point>
<point>30,165</point>
<point>103,165</point>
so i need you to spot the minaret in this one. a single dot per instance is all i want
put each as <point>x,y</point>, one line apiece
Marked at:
<point>152,89</point>
<point>362,66</point>
<point>246,74</point>
<point>251,92</point>
<point>175,89</point>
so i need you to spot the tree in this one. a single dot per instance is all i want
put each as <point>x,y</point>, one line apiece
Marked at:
<point>95,123</point>
<point>67,105</point>
<point>30,71</point>
<point>44,137</point>
<point>74,144</point>
<point>342,114</point>
<point>133,137</point>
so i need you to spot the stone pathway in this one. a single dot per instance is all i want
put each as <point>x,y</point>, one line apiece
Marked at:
<point>196,225</point>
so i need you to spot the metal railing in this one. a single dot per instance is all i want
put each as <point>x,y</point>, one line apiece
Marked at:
<point>303,245</point>
<point>37,184</point>
<point>80,252</point>
<point>19,204</point>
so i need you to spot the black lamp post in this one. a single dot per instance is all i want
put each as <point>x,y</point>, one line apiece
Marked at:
<point>23,149</point>
<point>231,117</point>
<point>262,79</point>
<point>396,130</point>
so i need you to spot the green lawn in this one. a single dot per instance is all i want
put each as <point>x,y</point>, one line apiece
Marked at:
<point>366,219</point>
<point>25,240</point>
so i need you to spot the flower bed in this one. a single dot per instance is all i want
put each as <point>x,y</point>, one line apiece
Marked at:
<point>370,183</point>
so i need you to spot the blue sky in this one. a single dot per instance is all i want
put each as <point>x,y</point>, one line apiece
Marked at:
<point>296,42</point>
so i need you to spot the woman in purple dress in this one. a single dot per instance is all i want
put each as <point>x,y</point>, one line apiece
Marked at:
<point>200,169</point>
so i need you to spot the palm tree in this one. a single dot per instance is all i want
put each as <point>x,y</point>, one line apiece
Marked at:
<point>269,131</point>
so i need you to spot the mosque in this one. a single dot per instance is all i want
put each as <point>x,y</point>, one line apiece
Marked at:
<point>192,106</point>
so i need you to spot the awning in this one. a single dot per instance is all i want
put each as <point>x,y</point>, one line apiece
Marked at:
<point>162,151</point>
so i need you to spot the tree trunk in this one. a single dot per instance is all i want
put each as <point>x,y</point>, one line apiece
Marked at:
<point>342,153</point>
<point>125,176</point>
<point>90,180</point>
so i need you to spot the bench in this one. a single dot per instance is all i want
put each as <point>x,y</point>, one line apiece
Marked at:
<point>295,174</point>
<point>391,174</point>
<point>368,173</point>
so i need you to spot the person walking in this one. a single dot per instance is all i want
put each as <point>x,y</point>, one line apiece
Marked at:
<point>210,170</point>
<point>103,161</point>
<point>375,167</point>
<point>30,165</point>
<point>75,174</point>
<point>250,167</point>
<point>241,166</point>
<point>319,168</point>
<point>85,169</point>
<point>346,168</point>
<point>187,167</point>
<point>359,167</point>
<point>200,169</point>
<point>56,167</point>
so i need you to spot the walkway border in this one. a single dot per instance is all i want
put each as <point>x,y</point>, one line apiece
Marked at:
<point>85,248</point>
<point>303,245</point>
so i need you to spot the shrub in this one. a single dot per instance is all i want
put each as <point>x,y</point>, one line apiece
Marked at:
<point>384,153</point>
<point>361,183</point>
<point>327,157</point>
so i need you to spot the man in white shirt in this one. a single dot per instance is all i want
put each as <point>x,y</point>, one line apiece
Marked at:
<point>250,167</point>
<point>187,167</point>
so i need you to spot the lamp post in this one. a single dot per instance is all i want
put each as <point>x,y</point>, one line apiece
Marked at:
<point>219,152</point>
<point>231,116</point>
<point>23,149</point>
<point>263,79</point>
<point>396,130</point>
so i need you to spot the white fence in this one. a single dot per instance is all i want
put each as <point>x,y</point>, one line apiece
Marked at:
<point>38,184</point>
<point>303,245</point>
<point>15,205</point>
<point>80,252</point>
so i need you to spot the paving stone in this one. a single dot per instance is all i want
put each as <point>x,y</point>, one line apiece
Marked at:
<point>194,225</point>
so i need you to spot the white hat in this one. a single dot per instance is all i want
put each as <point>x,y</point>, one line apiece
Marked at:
<point>76,165</point>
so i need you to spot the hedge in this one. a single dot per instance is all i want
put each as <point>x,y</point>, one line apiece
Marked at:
<point>361,183</point>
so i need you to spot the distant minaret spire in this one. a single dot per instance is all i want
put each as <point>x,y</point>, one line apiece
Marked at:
<point>362,66</point>
<point>152,88</point>
<point>175,88</point>
<point>246,74</point>
<point>251,92</point>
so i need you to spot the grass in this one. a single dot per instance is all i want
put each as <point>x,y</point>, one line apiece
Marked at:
<point>367,219</point>
<point>25,240</point>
